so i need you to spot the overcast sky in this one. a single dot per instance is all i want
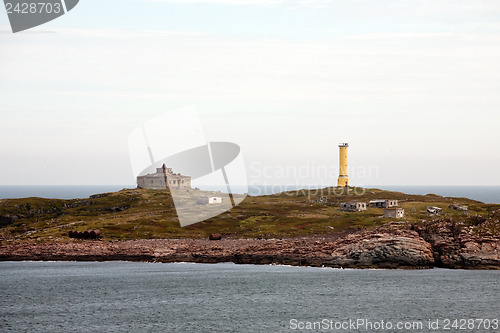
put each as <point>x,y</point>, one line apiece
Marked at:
<point>413,86</point>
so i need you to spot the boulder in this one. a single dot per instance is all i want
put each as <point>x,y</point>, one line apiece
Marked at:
<point>215,236</point>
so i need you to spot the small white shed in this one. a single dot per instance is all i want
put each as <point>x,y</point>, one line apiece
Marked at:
<point>214,200</point>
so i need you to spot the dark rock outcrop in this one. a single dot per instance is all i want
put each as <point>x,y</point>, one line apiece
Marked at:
<point>88,234</point>
<point>7,219</point>
<point>215,236</point>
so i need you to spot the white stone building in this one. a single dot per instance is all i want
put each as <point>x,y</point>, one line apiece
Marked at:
<point>157,180</point>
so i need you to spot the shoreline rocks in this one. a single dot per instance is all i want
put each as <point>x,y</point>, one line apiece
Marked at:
<point>398,245</point>
<point>458,246</point>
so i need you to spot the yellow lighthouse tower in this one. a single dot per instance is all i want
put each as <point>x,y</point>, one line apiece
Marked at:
<point>343,177</point>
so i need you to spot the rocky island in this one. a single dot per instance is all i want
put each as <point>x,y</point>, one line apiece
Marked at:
<point>305,227</point>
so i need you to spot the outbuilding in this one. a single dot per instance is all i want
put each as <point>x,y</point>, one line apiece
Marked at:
<point>214,200</point>
<point>353,206</point>
<point>394,212</point>
<point>383,203</point>
<point>432,210</point>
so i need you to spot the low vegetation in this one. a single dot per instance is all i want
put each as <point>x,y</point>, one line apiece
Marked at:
<point>145,214</point>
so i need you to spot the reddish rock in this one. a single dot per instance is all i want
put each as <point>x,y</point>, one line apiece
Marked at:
<point>458,245</point>
<point>429,244</point>
<point>215,236</point>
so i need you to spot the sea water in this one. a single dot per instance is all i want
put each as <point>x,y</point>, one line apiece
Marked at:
<point>158,297</point>
<point>487,194</point>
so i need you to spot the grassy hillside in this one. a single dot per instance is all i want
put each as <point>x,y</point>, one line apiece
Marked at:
<point>140,213</point>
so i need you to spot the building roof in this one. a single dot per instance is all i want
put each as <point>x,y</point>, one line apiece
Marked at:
<point>160,174</point>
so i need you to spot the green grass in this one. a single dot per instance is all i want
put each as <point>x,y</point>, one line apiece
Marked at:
<point>139,213</point>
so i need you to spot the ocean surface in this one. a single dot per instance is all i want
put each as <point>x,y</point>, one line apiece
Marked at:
<point>56,191</point>
<point>487,194</point>
<point>157,297</point>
